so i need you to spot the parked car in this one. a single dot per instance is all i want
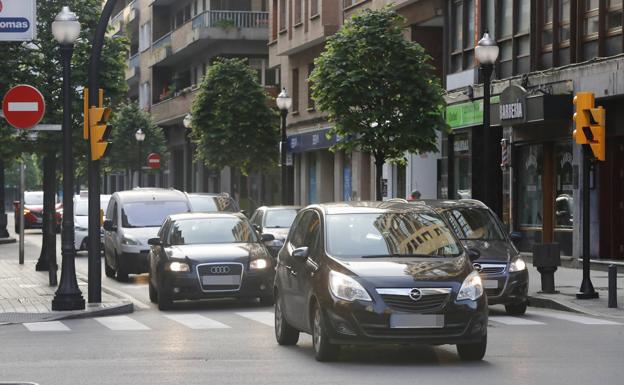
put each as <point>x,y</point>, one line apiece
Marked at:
<point>275,220</point>
<point>504,273</point>
<point>33,211</point>
<point>81,219</point>
<point>211,255</point>
<point>377,273</point>
<point>212,203</point>
<point>133,217</point>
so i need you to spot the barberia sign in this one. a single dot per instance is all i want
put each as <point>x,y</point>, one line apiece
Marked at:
<point>511,111</point>
<point>512,106</point>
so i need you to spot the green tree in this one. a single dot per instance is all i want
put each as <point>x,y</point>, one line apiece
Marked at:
<point>232,123</point>
<point>379,90</point>
<point>124,154</point>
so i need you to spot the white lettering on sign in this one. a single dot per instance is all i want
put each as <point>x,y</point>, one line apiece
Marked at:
<point>511,111</point>
<point>315,139</point>
<point>23,106</point>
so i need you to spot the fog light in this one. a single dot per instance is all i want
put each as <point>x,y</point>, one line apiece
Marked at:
<point>176,290</point>
<point>263,287</point>
<point>342,328</point>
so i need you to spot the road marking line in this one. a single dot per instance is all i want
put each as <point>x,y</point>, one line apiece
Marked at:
<point>50,326</point>
<point>264,317</point>
<point>121,322</point>
<point>23,106</point>
<point>196,321</point>
<point>575,318</point>
<point>508,320</point>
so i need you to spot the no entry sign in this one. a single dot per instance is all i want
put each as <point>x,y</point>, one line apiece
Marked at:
<point>23,106</point>
<point>153,161</point>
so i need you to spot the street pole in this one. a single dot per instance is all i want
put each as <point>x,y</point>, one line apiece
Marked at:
<point>284,170</point>
<point>486,151</point>
<point>68,295</point>
<point>22,218</point>
<point>140,166</point>
<point>587,288</point>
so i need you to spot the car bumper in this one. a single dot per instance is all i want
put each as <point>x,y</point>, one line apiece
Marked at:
<point>186,286</point>
<point>80,239</point>
<point>361,323</point>
<point>135,263</point>
<point>512,288</point>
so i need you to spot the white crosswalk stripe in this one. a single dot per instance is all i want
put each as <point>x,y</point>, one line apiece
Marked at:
<point>264,317</point>
<point>121,322</point>
<point>575,318</point>
<point>515,321</point>
<point>51,326</point>
<point>196,321</point>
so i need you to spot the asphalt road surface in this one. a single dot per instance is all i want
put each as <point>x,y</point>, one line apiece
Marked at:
<point>226,342</point>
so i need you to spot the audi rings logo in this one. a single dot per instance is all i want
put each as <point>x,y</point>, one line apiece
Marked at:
<point>415,294</point>
<point>477,267</point>
<point>220,269</point>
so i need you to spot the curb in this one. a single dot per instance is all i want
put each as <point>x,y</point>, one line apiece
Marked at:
<point>101,310</point>
<point>553,304</point>
<point>6,241</point>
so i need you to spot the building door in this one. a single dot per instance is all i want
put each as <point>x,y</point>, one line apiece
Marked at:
<point>611,174</point>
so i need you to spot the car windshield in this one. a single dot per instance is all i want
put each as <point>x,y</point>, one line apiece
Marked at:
<point>279,218</point>
<point>389,235</point>
<point>150,214</point>
<point>211,230</point>
<point>211,204</point>
<point>470,223</point>
<point>34,198</point>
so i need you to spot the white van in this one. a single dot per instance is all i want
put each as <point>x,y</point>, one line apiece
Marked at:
<point>133,217</point>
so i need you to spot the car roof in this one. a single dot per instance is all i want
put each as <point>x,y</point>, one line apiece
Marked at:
<point>223,195</point>
<point>363,207</point>
<point>283,207</point>
<point>187,216</point>
<point>452,203</point>
<point>150,194</point>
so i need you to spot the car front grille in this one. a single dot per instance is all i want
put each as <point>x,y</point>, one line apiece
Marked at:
<point>492,292</point>
<point>226,276</point>
<point>492,269</point>
<point>431,300</point>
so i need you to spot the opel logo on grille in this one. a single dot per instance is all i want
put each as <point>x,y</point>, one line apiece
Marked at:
<point>220,269</point>
<point>415,294</point>
<point>477,267</point>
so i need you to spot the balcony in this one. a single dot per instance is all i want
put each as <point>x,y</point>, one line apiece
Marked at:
<point>128,15</point>
<point>161,49</point>
<point>173,109</point>
<point>133,70</point>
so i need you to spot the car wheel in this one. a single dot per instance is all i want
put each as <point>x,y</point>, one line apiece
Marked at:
<point>284,333</point>
<point>472,352</point>
<point>109,271</point>
<point>323,349</point>
<point>516,308</point>
<point>153,294</point>
<point>121,274</point>
<point>164,298</point>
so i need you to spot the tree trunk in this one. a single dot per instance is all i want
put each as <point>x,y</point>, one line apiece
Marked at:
<point>379,162</point>
<point>3,218</point>
<point>48,247</point>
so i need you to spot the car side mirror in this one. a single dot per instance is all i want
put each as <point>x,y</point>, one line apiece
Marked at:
<point>154,242</point>
<point>300,253</point>
<point>515,236</point>
<point>244,212</point>
<point>267,237</point>
<point>473,254</point>
<point>109,225</point>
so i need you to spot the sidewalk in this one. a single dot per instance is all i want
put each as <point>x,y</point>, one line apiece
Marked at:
<point>567,282</point>
<point>25,296</point>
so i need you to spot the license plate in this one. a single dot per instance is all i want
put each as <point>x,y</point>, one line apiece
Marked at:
<point>221,280</point>
<point>490,284</point>
<point>416,321</point>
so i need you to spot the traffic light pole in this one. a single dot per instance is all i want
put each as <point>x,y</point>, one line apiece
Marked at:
<point>95,262</point>
<point>587,288</point>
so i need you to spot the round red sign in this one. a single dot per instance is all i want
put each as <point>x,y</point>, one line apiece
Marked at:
<point>153,160</point>
<point>23,106</point>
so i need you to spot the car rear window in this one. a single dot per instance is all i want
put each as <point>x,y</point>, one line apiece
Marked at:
<point>150,214</point>
<point>210,231</point>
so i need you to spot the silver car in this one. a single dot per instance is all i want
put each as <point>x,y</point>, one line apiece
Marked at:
<point>81,219</point>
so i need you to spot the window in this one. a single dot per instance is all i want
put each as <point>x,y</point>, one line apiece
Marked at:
<point>282,15</point>
<point>614,15</point>
<point>295,90</point>
<point>457,33</point>
<point>298,231</point>
<point>314,7</point>
<point>144,95</point>
<point>530,186</point>
<point>522,39</point>
<point>310,99</point>
<point>505,37</point>
<point>297,11</point>
<point>274,25</point>
<point>348,3</point>
<point>564,22</point>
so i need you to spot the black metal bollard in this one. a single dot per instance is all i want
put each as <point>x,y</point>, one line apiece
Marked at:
<point>546,258</point>
<point>613,286</point>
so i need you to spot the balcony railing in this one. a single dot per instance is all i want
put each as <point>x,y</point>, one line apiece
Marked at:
<point>231,19</point>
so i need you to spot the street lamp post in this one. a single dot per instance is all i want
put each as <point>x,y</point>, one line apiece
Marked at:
<point>284,102</point>
<point>140,137</point>
<point>486,53</point>
<point>66,30</point>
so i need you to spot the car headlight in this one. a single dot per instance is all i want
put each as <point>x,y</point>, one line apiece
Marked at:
<point>128,240</point>
<point>179,267</point>
<point>517,264</point>
<point>275,243</point>
<point>347,288</point>
<point>472,288</point>
<point>258,264</point>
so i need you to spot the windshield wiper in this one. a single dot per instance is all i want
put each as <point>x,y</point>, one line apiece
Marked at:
<point>396,255</point>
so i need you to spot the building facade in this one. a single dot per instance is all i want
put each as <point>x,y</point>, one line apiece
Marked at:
<point>298,32</point>
<point>549,50</point>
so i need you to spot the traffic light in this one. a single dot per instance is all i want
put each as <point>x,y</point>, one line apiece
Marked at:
<point>99,131</point>
<point>85,96</point>
<point>589,124</point>
<point>583,101</point>
<point>598,130</point>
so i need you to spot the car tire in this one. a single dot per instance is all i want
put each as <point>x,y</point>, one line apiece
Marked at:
<point>121,274</point>
<point>324,350</point>
<point>109,271</point>
<point>472,352</point>
<point>516,308</point>
<point>164,299</point>
<point>285,334</point>
<point>153,294</point>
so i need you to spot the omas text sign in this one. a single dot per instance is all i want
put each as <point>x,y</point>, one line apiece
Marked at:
<point>18,21</point>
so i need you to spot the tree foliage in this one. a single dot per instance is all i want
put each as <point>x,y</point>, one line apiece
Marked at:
<point>379,89</point>
<point>232,123</point>
<point>124,154</point>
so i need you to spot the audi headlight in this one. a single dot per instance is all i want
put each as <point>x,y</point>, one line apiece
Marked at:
<point>347,288</point>
<point>472,288</point>
<point>128,240</point>
<point>258,264</point>
<point>518,264</point>
<point>275,243</point>
<point>179,267</point>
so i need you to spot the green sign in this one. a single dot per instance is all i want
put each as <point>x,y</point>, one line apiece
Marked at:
<point>466,114</point>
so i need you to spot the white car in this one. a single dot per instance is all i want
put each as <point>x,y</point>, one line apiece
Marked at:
<point>81,219</point>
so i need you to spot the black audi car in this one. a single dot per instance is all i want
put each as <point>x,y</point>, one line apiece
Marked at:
<point>503,271</point>
<point>377,273</point>
<point>211,255</point>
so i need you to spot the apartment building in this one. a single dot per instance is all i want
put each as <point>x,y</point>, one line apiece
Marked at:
<point>549,50</point>
<point>298,32</point>
<point>172,43</point>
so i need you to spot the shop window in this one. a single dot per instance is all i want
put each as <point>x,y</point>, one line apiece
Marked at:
<point>564,186</point>
<point>462,166</point>
<point>529,184</point>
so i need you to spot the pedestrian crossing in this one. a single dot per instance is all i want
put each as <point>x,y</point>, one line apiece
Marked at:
<point>197,321</point>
